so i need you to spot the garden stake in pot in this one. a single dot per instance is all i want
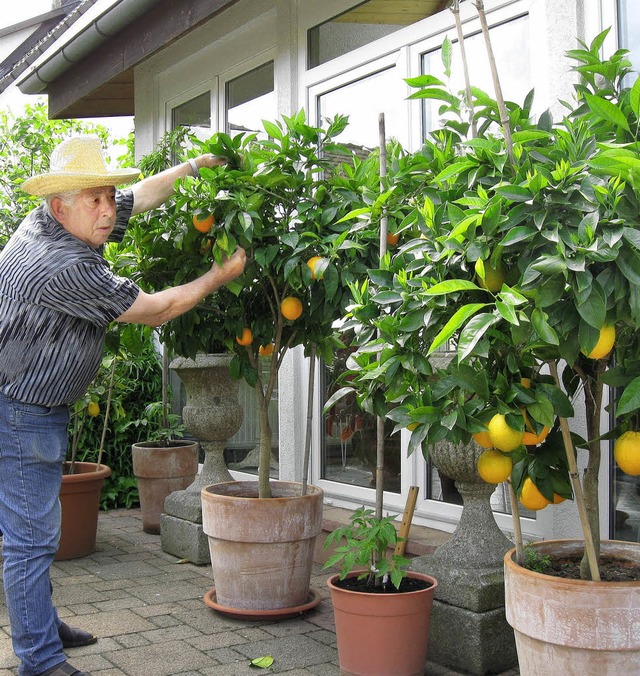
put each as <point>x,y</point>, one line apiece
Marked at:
<point>405,526</point>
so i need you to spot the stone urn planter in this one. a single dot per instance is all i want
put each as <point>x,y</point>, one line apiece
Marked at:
<point>212,414</point>
<point>161,469</point>
<point>469,570</point>
<point>261,548</point>
<point>566,626</point>
<point>383,634</point>
<point>80,503</point>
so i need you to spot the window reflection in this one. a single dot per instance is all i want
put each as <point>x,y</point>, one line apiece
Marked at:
<point>349,439</point>
<point>250,98</point>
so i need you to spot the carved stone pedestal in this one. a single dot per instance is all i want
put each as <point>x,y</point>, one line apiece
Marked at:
<point>468,626</point>
<point>212,414</point>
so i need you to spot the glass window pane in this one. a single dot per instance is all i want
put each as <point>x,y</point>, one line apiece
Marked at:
<point>364,23</point>
<point>363,101</point>
<point>510,44</point>
<point>349,440</point>
<point>250,98</point>
<point>629,29</point>
<point>196,114</point>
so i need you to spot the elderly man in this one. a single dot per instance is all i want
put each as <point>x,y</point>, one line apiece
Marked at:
<point>57,297</point>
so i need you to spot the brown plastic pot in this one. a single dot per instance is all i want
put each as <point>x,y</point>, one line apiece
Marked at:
<point>261,548</point>
<point>161,470</point>
<point>80,502</point>
<point>383,634</point>
<point>565,626</point>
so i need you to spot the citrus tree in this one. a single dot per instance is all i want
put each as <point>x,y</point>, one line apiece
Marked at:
<point>287,201</point>
<point>523,259</point>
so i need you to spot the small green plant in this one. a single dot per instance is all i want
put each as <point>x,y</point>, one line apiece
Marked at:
<point>535,561</point>
<point>367,542</point>
<point>160,426</point>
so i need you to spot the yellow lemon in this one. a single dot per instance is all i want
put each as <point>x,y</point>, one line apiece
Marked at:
<point>494,467</point>
<point>626,451</point>
<point>605,342</point>
<point>503,437</point>
<point>313,263</point>
<point>531,497</point>
<point>483,439</point>
<point>291,308</point>
<point>493,278</point>
<point>93,408</point>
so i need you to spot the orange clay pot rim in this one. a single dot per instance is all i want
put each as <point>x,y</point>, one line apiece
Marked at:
<point>509,562</point>
<point>251,487</point>
<point>277,614</point>
<point>410,573</point>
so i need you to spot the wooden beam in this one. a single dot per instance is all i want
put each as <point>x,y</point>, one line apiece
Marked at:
<point>150,33</point>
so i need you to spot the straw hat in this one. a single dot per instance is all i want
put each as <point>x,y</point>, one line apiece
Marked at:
<point>76,164</point>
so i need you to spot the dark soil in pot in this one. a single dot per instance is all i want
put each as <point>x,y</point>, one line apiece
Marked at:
<point>408,584</point>
<point>612,569</point>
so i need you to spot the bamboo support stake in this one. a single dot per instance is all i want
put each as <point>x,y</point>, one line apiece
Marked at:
<point>590,550</point>
<point>405,526</point>
<point>504,116</point>
<point>383,250</point>
<point>455,9</point>
<point>307,442</point>
<point>517,530</point>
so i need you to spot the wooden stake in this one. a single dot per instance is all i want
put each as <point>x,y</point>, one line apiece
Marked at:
<point>517,530</point>
<point>405,526</point>
<point>590,550</point>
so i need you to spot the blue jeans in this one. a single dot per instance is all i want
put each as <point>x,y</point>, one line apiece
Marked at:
<point>33,443</point>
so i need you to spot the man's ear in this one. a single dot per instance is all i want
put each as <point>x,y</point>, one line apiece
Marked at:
<point>58,209</point>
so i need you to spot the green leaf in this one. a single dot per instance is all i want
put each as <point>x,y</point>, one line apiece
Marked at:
<point>515,193</point>
<point>634,97</point>
<point>262,662</point>
<point>451,286</point>
<point>630,399</point>
<point>456,321</point>
<point>542,327</point>
<point>472,333</point>
<point>607,110</point>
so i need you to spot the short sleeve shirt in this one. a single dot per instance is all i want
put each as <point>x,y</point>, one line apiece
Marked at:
<point>57,298</point>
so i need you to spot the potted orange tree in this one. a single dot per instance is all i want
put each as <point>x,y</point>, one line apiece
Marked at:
<point>524,257</point>
<point>284,200</point>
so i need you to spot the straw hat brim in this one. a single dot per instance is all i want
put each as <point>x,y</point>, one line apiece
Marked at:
<point>53,183</point>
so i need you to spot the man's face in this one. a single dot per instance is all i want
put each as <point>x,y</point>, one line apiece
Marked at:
<point>90,217</point>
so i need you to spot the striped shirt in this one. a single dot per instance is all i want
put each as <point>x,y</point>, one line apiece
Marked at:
<point>57,298</point>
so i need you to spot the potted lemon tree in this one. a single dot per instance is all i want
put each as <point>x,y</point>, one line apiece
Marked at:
<point>523,255</point>
<point>284,201</point>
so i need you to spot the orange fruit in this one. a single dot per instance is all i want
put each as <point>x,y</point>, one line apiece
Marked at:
<point>530,438</point>
<point>202,224</point>
<point>531,498</point>
<point>557,499</point>
<point>266,350</point>
<point>393,238</point>
<point>483,439</point>
<point>503,437</point>
<point>494,467</point>
<point>291,308</point>
<point>93,408</point>
<point>312,263</point>
<point>246,338</point>
<point>605,342</point>
<point>493,278</point>
<point>626,451</point>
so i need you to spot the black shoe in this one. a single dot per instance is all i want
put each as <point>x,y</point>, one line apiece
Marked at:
<point>72,637</point>
<point>64,669</point>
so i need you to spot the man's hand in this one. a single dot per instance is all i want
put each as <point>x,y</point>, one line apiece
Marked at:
<point>231,267</point>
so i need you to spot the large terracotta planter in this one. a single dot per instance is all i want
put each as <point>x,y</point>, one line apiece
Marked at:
<point>261,548</point>
<point>80,502</point>
<point>161,470</point>
<point>383,634</point>
<point>565,626</point>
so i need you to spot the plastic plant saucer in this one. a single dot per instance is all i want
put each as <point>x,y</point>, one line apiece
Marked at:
<point>277,614</point>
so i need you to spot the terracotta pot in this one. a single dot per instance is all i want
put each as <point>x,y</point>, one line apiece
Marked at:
<point>80,502</point>
<point>383,634</point>
<point>565,626</point>
<point>261,548</point>
<point>160,471</point>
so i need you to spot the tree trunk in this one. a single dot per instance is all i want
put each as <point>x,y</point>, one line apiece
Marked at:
<point>264,469</point>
